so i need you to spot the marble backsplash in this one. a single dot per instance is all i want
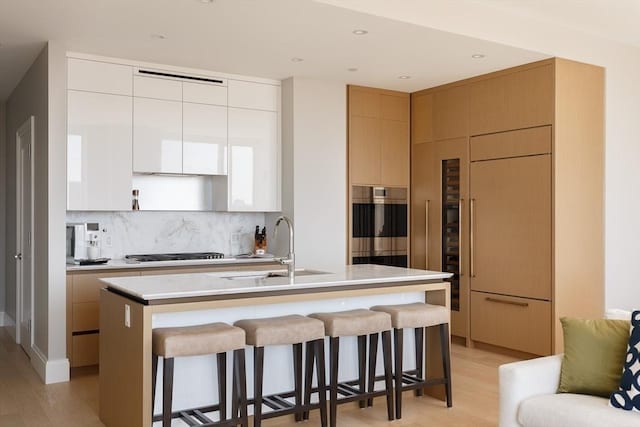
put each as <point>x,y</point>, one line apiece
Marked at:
<point>165,232</point>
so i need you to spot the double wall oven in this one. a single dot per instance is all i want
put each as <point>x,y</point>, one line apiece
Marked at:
<point>379,226</point>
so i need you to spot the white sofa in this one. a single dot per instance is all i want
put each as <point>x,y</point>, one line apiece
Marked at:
<point>528,398</point>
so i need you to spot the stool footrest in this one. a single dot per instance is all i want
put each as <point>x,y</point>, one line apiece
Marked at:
<point>281,406</point>
<point>411,381</point>
<point>197,417</point>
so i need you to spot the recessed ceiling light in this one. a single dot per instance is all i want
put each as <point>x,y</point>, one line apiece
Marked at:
<point>360,32</point>
<point>206,1</point>
<point>477,56</point>
<point>297,59</point>
<point>352,69</point>
<point>404,77</point>
<point>158,36</point>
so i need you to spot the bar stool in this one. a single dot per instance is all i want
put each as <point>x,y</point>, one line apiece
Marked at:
<point>214,338</point>
<point>418,316</point>
<point>287,330</point>
<point>358,323</point>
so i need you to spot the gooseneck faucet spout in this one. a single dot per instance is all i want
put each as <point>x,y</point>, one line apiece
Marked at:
<point>290,260</point>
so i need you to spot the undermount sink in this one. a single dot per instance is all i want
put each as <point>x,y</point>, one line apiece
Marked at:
<point>269,274</point>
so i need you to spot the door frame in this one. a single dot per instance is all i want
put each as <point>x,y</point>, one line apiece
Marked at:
<point>28,124</point>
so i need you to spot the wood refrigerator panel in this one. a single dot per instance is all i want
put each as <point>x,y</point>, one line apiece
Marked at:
<point>511,247</point>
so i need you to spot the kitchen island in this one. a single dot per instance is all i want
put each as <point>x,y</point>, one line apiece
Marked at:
<point>130,307</point>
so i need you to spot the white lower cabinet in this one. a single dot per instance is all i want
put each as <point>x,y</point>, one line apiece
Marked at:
<point>157,136</point>
<point>204,139</point>
<point>254,161</point>
<point>99,146</point>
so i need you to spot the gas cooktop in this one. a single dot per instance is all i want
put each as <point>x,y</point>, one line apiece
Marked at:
<point>174,257</point>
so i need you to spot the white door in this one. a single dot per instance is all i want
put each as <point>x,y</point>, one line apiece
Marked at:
<point>24,234</point>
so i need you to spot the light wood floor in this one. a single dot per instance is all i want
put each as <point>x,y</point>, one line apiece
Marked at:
<point>25,401</point>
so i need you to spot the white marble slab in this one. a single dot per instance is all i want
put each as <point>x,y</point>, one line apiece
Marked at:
<point>227,283</point>
<point>119,264</point>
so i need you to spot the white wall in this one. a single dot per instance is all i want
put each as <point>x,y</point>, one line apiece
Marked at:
<point>501,22</point>
<point>314,145</point>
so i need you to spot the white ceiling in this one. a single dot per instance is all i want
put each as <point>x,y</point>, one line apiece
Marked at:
<point>252,37</point>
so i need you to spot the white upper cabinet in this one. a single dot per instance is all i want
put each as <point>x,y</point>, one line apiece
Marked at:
<point>94,76</point>
<point>204,139</point>
<point>204,93</point>
<point>98,151</point>
<point>254,160</point>
<point>157,136</point>
<point>258,96</point>
<point>150,87</point>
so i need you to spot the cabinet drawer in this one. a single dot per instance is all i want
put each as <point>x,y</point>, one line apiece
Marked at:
<point>85,350</point>
<point>86,316</point>
<point>516,323</point>
<point>86,286</point>
<point>517,143</point>
<point>148,87</point>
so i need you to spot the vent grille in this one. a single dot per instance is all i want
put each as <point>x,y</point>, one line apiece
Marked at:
<point>179,76</point>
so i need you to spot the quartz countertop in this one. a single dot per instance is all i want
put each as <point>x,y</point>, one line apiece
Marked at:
<point>175,286</point>
<point>119,264</point>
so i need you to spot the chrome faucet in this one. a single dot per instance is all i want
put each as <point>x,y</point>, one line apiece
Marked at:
<point>290,260</point>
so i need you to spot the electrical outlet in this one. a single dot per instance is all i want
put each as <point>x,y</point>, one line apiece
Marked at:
<point>127,316</point>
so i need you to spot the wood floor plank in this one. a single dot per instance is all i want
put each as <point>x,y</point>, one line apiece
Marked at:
<point>25,401</point>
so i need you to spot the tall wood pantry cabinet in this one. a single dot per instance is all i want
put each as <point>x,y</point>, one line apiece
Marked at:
<point>507,194</point>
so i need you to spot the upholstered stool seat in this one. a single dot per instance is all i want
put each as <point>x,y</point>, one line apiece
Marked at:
<point>199,340</point>
<point>287,330</point>
<point>418,316</point>
<point>358,323</point>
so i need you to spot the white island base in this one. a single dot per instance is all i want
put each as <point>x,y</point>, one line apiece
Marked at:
<point>125,351</point>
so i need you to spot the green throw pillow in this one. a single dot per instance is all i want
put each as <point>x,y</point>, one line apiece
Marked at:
<point>594,354</point>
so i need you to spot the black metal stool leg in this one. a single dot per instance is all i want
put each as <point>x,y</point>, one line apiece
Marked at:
<point>297,374</point>
<point>240,388</point>
<point>154,380</point>
<point>222,384</point>
<point>362,367</point>
<point>386,350</point>
<point>308,375</point>
<point>334,347</point>
<point>258,367</point>
<point>322,385</point>
<point>167,391</point>
<point>446,361</point>
<point>398,335</point>
<point>419,334</point>
<point>373,357</point>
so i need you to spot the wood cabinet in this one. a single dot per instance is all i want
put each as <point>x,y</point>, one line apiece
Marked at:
<point>99,145</point>
<point>530,151</point>
<point>83,308</point>
<point>378,137</point>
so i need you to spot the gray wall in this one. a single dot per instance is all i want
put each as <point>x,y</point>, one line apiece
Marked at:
<point>3,191</point>
<point>30,97</point>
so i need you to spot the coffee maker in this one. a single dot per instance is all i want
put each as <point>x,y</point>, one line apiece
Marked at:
<point>82,242</point>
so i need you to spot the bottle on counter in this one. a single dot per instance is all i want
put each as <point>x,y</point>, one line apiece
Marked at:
<point>260,241</point>
<point>134,203</point>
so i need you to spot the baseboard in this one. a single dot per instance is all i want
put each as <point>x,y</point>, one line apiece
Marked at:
<point>50,371</point>
<point>10,325</point>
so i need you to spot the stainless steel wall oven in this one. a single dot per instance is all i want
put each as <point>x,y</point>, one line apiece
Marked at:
<point>379,226</point>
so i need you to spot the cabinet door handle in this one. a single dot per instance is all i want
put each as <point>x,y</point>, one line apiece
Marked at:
<point>460,263</point>
<point>503,301</point>
<point>426,235</point>
<point>472,239</point>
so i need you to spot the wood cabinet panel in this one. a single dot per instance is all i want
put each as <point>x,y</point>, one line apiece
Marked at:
<point>86,286</point>
<point>511,226</point>
<point>450,117</point>
<point>85,350</point>
<point>522,142</point>
<point>512,101</point>
<point>86,316</point>
<point>421,118</point>
<point>517,323</point>
<point>395,153</point>
<point>394,107</point>
<point>365,145</point>
<point>364,102</point>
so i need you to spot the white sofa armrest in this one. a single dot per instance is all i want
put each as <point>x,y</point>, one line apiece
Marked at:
<point>521,380</point>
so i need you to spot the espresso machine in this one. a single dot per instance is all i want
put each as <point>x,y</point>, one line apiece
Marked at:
<point>83,243</point>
